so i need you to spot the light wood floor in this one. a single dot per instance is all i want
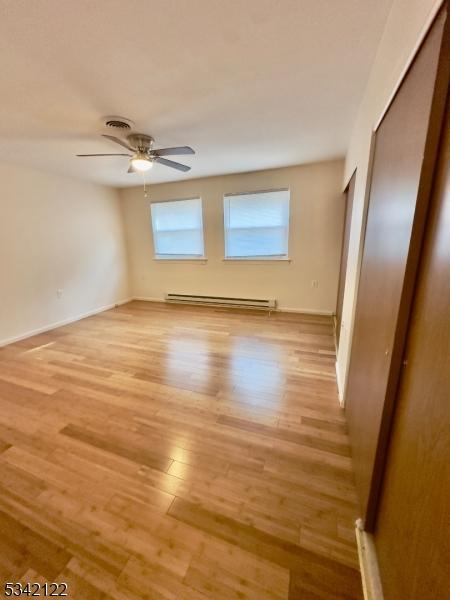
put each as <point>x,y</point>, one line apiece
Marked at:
<point>158,451</point>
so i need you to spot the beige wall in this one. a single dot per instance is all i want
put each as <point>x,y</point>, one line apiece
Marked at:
<point>56,233</point>
<point>314,246</point>
<point>405,25</point>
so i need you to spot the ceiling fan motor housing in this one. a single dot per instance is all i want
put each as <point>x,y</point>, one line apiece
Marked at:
<point>140,141</point>
<point>141,147</point>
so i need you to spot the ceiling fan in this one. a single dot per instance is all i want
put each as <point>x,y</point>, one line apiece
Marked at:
<point>143,155</point>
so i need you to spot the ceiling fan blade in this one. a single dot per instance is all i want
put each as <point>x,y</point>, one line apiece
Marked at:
<point>173,151</point>
<point>104,155</point>
<point>118,141</point>
<point>171,163</point>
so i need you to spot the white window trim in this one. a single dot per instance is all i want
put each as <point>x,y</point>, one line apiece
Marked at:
<point>256,259</point>
<point>171,258</point>
<point>180,258</point>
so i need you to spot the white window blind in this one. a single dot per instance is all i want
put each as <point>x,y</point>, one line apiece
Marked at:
<point>257,224</point>
<point>178,228</point>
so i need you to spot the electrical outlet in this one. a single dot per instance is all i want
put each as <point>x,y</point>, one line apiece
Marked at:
<point>59,293</point>
<point>315,283</point>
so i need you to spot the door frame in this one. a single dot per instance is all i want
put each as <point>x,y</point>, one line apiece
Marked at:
<point>343,276</point>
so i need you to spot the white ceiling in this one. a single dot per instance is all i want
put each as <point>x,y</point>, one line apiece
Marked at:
<point>249,84</point>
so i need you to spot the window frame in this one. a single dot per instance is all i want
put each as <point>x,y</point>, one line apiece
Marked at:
<point>178,257</point>
<point>255,257</point>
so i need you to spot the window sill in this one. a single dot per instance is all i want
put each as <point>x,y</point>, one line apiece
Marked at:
<point>179,259</point>
<point>257,260</point>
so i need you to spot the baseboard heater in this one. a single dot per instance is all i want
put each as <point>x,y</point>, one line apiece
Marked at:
<point>223,301</point>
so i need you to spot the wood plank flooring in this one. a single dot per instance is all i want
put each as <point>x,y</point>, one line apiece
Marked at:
<point>172,452</point>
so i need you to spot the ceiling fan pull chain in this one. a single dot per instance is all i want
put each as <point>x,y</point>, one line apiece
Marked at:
<point>145,188</point>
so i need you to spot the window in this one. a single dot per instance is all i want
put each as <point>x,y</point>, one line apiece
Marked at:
<point>257,225</point>
<point>178,229</point>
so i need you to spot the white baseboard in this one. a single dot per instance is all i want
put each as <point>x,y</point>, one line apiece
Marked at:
<point>368,563</point>
<point>304,311</point>
<point>148,299</point>
<point>339,386</point>
<point>57,324</point>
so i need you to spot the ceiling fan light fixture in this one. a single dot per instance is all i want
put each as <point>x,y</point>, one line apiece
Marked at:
<point>141,162</point>
<point>140,150</point>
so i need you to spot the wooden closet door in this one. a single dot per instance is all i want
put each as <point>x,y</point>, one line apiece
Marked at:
<point>412,534</point>
<point>405,150</point>
<point>349,193</point>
